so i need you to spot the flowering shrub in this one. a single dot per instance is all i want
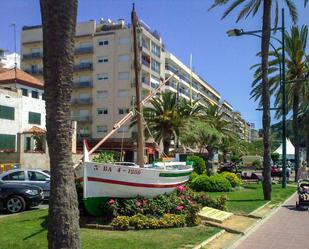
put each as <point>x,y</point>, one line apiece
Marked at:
<point>232,178</point>
<point>121,222</point>
<point>140,221</point>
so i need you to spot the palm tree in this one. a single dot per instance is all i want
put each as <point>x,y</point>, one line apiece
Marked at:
<point>251,7</point>
<point>297,69</point>
<point>59,22</point>
<point>165,117</point>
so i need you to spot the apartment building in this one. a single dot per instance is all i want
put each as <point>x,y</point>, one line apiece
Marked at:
<point>181,81</point>
<point>104,87</point>
<point>227,110</point>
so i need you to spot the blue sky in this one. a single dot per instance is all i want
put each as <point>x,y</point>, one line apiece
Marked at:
<point>186,27</point>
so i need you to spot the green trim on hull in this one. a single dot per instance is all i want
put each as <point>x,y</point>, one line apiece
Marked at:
<point>93,205</point>
<point>174,174</point>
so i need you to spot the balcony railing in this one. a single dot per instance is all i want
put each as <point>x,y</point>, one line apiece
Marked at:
<point>84,50</point>
<point>34,71</point>
<point>82,84</point>
<point>84,118</point>
<point>83,67</point>
<point>83,101</point>
<point>37,55</point>
<point>146,63</point>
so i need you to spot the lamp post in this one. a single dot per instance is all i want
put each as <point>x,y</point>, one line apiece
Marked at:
<point>240,32</point>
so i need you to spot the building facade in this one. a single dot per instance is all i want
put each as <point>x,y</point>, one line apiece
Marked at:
<point>104,81</point>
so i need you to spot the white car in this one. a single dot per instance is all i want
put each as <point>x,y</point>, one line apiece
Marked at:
<point>34,177</point>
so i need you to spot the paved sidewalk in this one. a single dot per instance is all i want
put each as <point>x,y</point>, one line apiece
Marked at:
<point>288,228</point>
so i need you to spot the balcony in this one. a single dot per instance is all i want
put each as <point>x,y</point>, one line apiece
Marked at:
<point>84,118</point>
<point>146,63</point>
<point>84,50</point>
<point>82,84</point>
<point>83,101</point>
<point>34,71</point>
<point>32,56</point>
<point>83,67</point>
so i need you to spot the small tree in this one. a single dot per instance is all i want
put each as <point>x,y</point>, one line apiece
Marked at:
<point>236,159</point>
<point>275,157</point>
<point>199,165</point>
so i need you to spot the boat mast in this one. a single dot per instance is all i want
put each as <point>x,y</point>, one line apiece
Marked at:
<point>138,106</point>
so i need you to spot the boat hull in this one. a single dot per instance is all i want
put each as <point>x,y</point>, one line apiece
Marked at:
<point>103,181</point>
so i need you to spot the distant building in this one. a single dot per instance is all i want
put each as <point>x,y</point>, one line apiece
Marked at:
<point>8,60</point>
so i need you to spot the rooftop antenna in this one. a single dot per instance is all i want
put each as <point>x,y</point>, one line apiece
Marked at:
<point>15,54</point>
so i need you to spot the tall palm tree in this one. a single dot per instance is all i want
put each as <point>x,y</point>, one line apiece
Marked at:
<point>59,22</point>
<point>297,69</point>
<point>165,116</point>
<point>251,7</point>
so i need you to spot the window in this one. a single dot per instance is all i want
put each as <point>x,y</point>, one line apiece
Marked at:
<point>155,49</point>
<point>102,129</point>
<point>102,76</point>
<point>123,93</point>
<point>34,118</point>
<point>7,112</point>
<point>7,142</point>
<point>102,59</point>
<point>102,94</point>
<point>24,92</point>
<point>124,41</point>
<point>85,44</point>
<point>123,57</point>
<point>123,76</point>
<point>155,66</point>
<point>35,94</point>
<point>123,129</point>
<point>36,176</point>
<point>102,111</point>
<point>103,42</point>
<point>16,176</point>
<point>123,111</point>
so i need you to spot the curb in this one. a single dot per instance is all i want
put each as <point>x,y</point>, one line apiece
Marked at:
<point>199,246</point>
<point>259,208</point>
<point>256,225</point>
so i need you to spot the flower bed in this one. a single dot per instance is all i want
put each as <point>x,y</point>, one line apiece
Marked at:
<point>177,209</point>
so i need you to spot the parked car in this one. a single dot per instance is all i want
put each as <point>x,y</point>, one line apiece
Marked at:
<point>16,197</point>
<point>29,176</point>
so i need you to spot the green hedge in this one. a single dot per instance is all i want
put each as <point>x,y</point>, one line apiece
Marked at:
<point>214,183</point>
<point>199,165</point>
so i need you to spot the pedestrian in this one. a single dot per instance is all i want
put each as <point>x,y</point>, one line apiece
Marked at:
<point>303,172</point>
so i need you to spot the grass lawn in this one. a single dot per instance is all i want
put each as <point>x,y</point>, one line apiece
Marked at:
<point>28,231</point>
<point>250,197</point>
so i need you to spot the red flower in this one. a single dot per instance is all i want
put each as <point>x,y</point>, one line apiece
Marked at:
<point>179,208</point>
<point>181,189</point>
<point>111,202</point>
<point>182,197</point>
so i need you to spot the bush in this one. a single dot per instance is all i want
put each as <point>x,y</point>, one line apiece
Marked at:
<point>236,159</point>
<point>193,175</point>
<point>140,221</point>
<point>214,183</point>
<point>199,165</point>
<point>275,157</point>
<point>107,157</point>
<point>257,164</point>
<point>232,178</point>
<point>121,222</point>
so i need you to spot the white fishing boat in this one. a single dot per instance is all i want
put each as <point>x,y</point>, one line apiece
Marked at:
<point>102,181</point>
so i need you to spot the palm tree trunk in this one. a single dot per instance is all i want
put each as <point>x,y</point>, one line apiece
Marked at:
<point>59,22</point>
<point>167,142</point>
<point>210,155</point>
<point>296,127</point>
<point>266,99</point>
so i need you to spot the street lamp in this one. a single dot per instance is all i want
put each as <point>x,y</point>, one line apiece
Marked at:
<point>240,32</point>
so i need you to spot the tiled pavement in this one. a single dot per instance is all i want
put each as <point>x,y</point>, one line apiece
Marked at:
<point>288,228</point>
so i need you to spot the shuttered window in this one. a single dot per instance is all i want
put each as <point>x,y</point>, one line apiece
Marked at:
<point>34,118</point>
<point>7,142</point>
<point>7,112</point>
